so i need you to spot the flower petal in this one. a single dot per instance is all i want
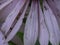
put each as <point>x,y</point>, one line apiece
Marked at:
<point>57,2</point>
<point>11,17</point>
<point>7,10</point>
<point>18,24</point>
<point>54,5</point>
<point>49,23</point>
<point>2,39</point>
<point>31,28</point>
<point>55,25</point>
<point>44,35</point>
<point>5,4</point>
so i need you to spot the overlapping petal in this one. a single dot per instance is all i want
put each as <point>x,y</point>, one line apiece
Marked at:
<point>52,25</point>
<point>43,34</point>
<point>42,25</point>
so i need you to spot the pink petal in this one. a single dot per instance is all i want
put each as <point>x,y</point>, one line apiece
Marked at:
<point>11,17</point>
<point>31,28</point>
<point>44,35</point>
<point>49,24</point>
<point>18,24</point>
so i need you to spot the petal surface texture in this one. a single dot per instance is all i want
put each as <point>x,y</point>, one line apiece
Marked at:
<point>43,34</point>
<point>52,25</point>
<point>31,28</point>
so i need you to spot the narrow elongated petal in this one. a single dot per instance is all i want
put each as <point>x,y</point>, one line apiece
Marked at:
<point>11,17</point>
<point>18,24</point>
<point>50,26</point>
<point>44,35</point>
<point>31,28</point>
<point>55,25</point>
<point>5,4</point>
<point>54,5</point>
